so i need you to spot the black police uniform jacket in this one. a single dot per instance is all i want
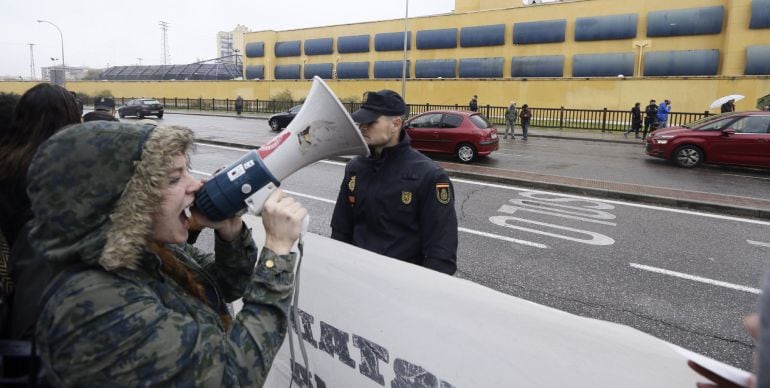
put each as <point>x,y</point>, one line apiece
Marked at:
<point>399,205</point>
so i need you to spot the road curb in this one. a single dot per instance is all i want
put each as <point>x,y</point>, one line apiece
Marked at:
<point>689,204</point>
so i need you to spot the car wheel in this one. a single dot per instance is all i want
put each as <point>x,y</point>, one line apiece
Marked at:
<point>465,153</point>
<point>160,115</point>
<point>274,125</point>
<point>121,114</point>
<point>688,156</point>
<point>140,116</point>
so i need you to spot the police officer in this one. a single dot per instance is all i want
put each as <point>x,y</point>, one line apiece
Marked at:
<point>396,202</point>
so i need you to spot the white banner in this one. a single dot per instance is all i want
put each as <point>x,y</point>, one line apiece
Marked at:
<point>369,321</point>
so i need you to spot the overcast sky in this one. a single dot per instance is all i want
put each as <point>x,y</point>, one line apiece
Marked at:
<point>102,33</point>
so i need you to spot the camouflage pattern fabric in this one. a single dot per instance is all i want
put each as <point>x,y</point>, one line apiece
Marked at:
<point>133,325</point>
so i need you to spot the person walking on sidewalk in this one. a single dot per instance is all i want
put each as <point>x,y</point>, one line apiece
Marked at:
<point>510,120</point>
<point>729,106</point>
<point>650,118</point>
<point>663,110</point>
<point>636,121</point>
<point>239,105</point>
<point>525,116</point>
<point>473,105</point>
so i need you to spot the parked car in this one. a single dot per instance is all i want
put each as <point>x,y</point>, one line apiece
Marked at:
<point>281,120</point>
<point>467,135</point>
<point>141,107</point>
<point>735,138</point>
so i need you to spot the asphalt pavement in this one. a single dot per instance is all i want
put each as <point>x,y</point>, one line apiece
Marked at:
<point>681,194</point>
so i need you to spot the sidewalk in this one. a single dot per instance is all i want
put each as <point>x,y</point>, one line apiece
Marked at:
<point>554,133</point>
<point>695,200</point>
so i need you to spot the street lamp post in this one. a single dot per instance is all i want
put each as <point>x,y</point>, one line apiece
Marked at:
<point>61,36</point>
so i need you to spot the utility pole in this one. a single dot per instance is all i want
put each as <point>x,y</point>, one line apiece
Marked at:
<point>31,61</point>
<point>406,43</point>
<point>165,58</point>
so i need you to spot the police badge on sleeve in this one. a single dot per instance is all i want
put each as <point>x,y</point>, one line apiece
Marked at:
<point>442,193</point>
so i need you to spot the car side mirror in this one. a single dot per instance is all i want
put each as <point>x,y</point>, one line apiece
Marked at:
<point>728,132</point>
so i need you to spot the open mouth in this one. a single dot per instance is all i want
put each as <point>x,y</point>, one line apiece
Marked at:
<point>185,216</point>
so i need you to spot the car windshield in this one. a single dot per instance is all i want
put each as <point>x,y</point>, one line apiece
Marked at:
<point>705,120</point>
<point>295,109</point>
<point>150,102</point>
<point>480,122</point>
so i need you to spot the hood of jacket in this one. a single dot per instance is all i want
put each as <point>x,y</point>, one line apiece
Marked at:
<point>94,188</point>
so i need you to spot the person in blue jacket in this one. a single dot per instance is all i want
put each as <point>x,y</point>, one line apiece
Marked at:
<point>663,110</point>
<point>396,202</point>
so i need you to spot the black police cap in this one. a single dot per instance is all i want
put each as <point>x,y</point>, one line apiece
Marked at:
<point>383,103</point>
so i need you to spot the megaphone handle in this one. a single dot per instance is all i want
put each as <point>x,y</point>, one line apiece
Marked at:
<point>257,200</point>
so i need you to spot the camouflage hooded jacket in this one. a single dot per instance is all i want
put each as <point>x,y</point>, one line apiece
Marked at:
<point>112,318</point>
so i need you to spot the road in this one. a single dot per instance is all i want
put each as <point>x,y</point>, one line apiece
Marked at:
<point>622,163</point>
<point>682,276</point>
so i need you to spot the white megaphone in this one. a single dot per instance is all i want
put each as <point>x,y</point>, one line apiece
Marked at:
<point>323,128</point>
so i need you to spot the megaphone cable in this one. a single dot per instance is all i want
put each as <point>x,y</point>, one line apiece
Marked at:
<point>296,319</point>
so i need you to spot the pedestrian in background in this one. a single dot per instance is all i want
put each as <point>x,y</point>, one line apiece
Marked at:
<point>728,106</point>
<point>473,105</point>
<point>525,116</point>
<point>239,105</point>
<point>510,120</point>
<point>662,115</point>
<point>636,121</point>
<point>650,118</point>
<point>396,202</point>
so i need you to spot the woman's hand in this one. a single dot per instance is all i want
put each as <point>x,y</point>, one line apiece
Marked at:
<point>282,217</point>
<point>228,230</point>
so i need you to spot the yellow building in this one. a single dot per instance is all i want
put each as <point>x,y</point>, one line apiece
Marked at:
<point>581,54</point>
<point>586,54</point>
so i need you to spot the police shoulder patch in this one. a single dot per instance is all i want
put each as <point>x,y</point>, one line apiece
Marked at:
<point>443,195</point>
<point>352,183</point>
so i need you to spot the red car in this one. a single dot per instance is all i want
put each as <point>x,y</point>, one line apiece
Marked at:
<point>467,135</point>
<point>736,138</point>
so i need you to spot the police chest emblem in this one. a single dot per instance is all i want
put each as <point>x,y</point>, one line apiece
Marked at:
<point>406,197</point>
<point>352,183</point>
<point>442,193</point>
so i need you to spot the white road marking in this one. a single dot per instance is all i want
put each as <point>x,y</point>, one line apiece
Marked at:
<point>223,147</point>
<point>746,176</point>
<point>203,173</point>
<point>499,237</point>
<point>594,238</point>
<point>697,278</point>
<point>310,196</point>
<point>761,244</point>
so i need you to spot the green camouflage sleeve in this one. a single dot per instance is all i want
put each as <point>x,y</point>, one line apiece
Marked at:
<point>107,329</point>
<point>234,263</point>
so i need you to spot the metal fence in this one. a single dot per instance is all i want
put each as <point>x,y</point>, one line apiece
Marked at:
<point>592,119</point>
